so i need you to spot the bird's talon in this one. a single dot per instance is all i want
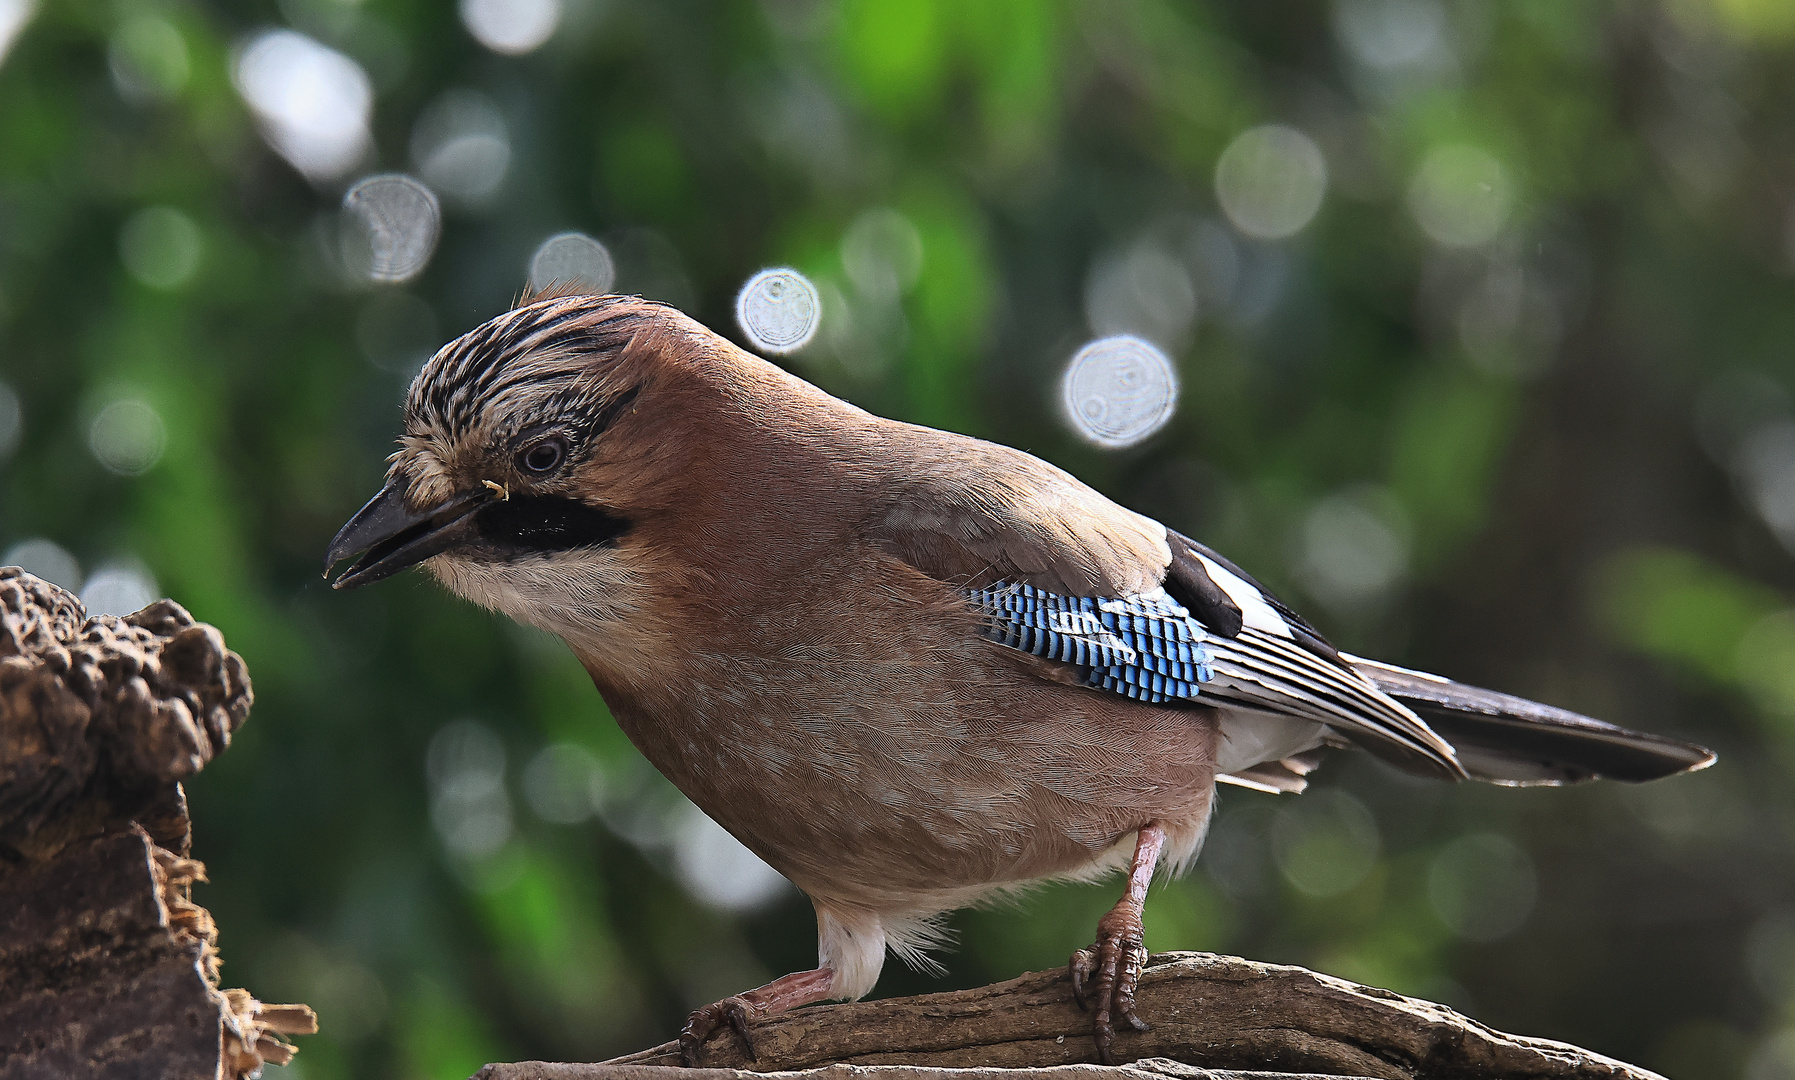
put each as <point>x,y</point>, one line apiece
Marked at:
<point>1104,978</point>
<point>738,1019</point>
<point>701,1025</point>
<point>1083,963</point>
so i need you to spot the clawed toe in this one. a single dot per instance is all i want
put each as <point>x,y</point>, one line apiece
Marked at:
<point>1084,962</point>
<point>704,1023</point>
<point>1104,979</point>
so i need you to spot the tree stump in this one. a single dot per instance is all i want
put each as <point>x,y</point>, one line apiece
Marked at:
<point>107,966</point>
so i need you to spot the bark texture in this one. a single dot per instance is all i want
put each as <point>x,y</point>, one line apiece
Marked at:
<point>1145,1069</point>
<point>1208,1013</point>
<point>107,966</point>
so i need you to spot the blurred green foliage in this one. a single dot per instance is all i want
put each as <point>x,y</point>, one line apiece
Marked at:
<point>1513,406</point>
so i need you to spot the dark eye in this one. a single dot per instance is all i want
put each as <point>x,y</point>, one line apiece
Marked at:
<point>545,457</point>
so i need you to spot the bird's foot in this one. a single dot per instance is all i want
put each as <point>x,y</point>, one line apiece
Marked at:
<point>701,1025</point>
<point>1105,975</point>
<point>735,1013</point>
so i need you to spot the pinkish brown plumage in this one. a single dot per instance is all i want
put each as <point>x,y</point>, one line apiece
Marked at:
<point>791,607</point>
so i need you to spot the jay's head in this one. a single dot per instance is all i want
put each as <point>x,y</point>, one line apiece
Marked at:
<point>531,451</point>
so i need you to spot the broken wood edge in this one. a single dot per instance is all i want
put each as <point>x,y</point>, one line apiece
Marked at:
<point>254,1034</point>
<point>1211,1012</point>
<point>107,964</point>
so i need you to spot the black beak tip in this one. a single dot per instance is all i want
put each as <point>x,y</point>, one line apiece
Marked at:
<point>389,537</point>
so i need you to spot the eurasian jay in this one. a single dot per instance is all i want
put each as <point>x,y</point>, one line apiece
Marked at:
<point>905,667</point>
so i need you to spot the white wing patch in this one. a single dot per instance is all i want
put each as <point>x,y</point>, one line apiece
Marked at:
<point>1255,613</point>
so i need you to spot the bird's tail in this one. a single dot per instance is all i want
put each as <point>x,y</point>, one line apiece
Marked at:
<point>1509,740</point>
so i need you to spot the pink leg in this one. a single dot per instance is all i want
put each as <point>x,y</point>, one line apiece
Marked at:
<point>798,988</point>
<point>1110,970</point>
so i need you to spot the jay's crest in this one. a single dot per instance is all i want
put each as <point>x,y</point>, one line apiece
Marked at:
<point>532,367</point>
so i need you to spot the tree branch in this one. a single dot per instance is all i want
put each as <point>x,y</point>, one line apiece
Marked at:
<point>1207,1011</point>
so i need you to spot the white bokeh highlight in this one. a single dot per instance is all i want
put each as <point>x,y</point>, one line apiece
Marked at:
<point>462,147</point>
<point>1392,34</point>
<point>718,870</point>
<point>561,782</point>
<point>394,222</point>
<point>1270,181</point>
<point>127,437</point>
<point>1461,196</point>
<point>469,807</point>
<point>119,588</point>
<point>14,14</point>
<point>314,103</point>
<point>46,559</point>
<point>1146,290</point>
<point>1354,548</point>
<point>573,260</point>
<point>1764,467</point>
<point>1118,391</point>
<point>881,252</point>
<point>778,310</point>
<point>511,27</point>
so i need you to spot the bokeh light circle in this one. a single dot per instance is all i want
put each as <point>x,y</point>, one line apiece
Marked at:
<point>1483,886</point>
<point>718,871</point>
<point>314,103</point>
<point>1119,390</point>
<point>127,437</point>
<point>1270,181</point>
<point>1461,196</point>
<point>512,27</point>
<point>778,310</point>
<point>396,224</point>
<point>119,589</point>
<point>161,247</point>
<point>45,558</point>
<point>573,259</point>
<point>461,148</point>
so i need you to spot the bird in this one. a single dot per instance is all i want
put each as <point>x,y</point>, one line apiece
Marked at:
<point>909,669</point>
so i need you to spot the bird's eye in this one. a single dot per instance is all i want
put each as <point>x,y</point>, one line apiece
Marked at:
<point>544,457</point>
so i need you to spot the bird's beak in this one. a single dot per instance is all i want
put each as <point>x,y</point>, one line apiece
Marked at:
<point>394,537</point>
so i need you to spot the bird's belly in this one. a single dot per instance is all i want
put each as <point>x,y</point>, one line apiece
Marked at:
<point>886,779</point>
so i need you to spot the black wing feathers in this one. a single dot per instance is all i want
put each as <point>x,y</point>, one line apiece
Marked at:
<point>1187,574</point>
<point>1190,584</point>
<point>1511,740</point>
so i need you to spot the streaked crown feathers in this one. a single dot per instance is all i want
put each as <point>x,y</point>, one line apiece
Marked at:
<point>541,364</point>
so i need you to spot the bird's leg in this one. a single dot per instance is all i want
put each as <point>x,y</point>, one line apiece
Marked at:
<point>798,988</point>
<point>1110,969</point>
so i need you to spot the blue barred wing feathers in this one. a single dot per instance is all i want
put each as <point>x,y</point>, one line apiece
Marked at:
<point>1146,647</point>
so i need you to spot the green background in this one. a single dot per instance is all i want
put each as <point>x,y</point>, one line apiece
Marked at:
<point>1562,449</point>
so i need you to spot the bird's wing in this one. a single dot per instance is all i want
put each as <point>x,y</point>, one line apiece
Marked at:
<point>1509,740</point>
<point>1061,572</point>
<point>975,513</point>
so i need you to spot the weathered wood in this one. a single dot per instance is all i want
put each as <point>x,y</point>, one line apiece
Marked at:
<point>1145,1069</point>
<point>96,981</point>
<point>108,969</point>
<point>1213,1012</point>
